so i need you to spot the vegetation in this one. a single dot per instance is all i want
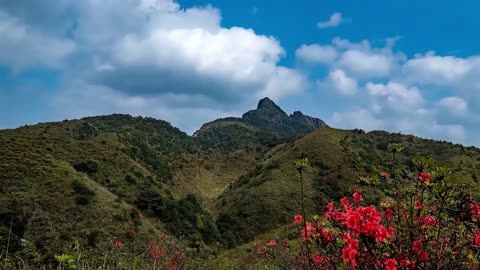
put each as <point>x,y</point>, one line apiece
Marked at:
<point>74,189</point>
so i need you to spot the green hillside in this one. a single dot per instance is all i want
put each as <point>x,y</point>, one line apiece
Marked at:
<point>269,195</point>
<point>92,181</point>
<point>83,180</point>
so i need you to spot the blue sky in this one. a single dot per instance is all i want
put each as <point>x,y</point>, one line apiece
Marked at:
<point>403,66</point>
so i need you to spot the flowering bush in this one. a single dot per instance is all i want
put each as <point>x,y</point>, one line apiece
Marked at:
<point>429,223</point>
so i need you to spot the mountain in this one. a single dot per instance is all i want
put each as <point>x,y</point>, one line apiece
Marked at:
<point>269,118</point>
<point>87,182</point>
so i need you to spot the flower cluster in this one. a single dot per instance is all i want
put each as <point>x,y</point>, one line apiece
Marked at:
<point>428,224</point>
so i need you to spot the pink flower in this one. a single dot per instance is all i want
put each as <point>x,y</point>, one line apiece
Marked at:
<point>424,177</point>
<point>272,243</point>
<point>391,264</point>
<point>297,219</point>
<point>384,174</point>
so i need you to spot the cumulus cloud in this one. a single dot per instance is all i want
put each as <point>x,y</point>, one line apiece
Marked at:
<point>187,51</point>
<point>359,60</point>
<point>335,20</point>
<point>23,46</point>
<point>455,105</point>
<point>339,81</point>
<point>396,93</point>
<point>140,51</point>
<point>316,53</point>
<point>433,69</point>
<point>364,64</point>
<point>428,95</point>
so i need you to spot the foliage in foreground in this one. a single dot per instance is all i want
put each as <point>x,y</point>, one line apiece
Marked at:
<point>426,222</point>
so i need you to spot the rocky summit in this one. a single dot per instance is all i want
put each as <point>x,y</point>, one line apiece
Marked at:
<point>268,117</point>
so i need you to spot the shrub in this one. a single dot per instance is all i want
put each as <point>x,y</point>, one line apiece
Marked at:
<point>84,195</point>
<point>88,166</point>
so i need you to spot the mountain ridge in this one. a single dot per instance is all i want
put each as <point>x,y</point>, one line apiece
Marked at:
<point>269,117</point>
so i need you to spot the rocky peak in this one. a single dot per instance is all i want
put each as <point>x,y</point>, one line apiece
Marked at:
<point>270,118</point>
<point>266,103</point>
<point>308,120</point>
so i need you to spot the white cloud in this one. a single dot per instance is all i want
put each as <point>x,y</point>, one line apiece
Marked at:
<point>360,118</point>
<point>396,93</point>
<point>455,105</point>
<point>187,51</point>
<point>141,50</point>
<point>338,80</point>
<point>429,95</point>
<point>316,53</point>
<point>335,20</point>
<point>434,69</point>
<point>365,64</point>
<point>358,60</point>
<point>22,46</point>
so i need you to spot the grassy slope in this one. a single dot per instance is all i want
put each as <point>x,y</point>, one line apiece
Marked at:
<point>270,194</point>
<point>37,177</point>
<point>133,155</point>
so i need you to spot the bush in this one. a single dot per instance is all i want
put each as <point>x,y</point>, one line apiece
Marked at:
<point>84,195</point>
<point>89,166</point>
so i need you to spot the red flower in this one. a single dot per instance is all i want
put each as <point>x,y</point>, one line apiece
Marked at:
<point>131,233</point>
<point>475,210</point>
<point>317,259</point>
<point>417,245</point>
<point>156,251</point>
<point>384,174</point>
<point>388,213</point>
<point>309,231</point>
<point>297,219</point>
<point>117,244</point>
<point>344,202</point>
<point>477,241</point>
<point>424,177</point>
<point>406,263</point>
<point>424,256</point>
<point>272,243</point>
<point>263,249</point>
<point>357,197</point>
<point>391,264</point>
<point>348,256</point>
<point>429,220</point>
<point>418,205</point>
